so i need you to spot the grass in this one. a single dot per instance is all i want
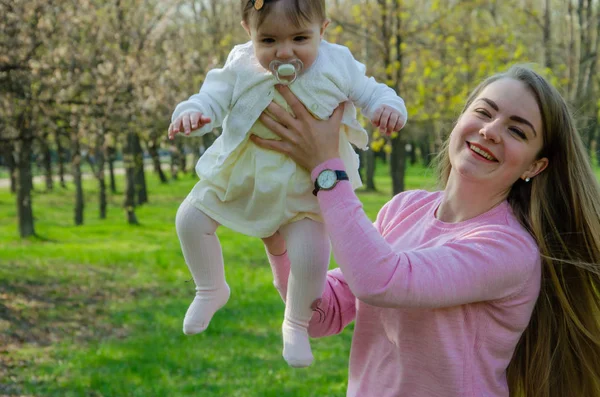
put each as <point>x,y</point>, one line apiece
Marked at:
<point>96,310</point>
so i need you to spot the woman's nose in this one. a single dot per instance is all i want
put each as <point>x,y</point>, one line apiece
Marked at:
<point>491,131</point>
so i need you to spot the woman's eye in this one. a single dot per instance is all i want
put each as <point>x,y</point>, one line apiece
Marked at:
<point>483,112</point>
<point>518,132</point>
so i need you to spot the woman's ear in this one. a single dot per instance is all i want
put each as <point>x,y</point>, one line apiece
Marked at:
<point>538,166</point>
<point>246,27</point>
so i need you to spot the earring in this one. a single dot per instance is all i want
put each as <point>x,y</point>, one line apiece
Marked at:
<point>527,179</point>
<point>258,4</point>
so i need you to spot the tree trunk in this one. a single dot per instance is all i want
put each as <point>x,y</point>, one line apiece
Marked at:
<point>547,36</point>
<point>426,144</point>
<point>413,153</point>
<point>77,178</point>
<point>129,164</point>
<point>101,160</point>
<point>398,155</point>
<point>398,164</point>
<point>62,158</point>
<point>182,156</point>
<point>111,155</point>
<point>174,161</point>
<point>8,153</point>
<point>370,165</point>
<point>46,161</point>
<point>23,178</point>
<point>198,150</point>
<point>140,176</point>
<point>155,156</point>
<point>598,144</point>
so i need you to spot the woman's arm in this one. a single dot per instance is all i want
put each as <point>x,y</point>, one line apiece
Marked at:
<point>486,265</point>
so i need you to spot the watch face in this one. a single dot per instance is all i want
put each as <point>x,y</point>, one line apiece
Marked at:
<point>326,179</point>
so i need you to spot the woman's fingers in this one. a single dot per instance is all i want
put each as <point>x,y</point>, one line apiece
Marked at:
<point>337,114</point>
<point>279,115</point>
<point>271,144</point>
<point>291,99</point>
<point>278,129</point>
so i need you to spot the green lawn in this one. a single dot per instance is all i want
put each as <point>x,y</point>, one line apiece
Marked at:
<point>96,310</point>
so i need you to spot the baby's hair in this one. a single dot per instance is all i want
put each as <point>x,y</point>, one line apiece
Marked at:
<point>298,11</point>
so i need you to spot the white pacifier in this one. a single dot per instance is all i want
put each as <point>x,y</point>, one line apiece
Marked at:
<point>286,72</point>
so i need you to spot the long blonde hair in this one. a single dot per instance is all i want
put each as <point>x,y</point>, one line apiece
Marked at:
<point>558,355</point>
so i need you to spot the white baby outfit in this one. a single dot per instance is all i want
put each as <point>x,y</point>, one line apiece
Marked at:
<point>252,190</point>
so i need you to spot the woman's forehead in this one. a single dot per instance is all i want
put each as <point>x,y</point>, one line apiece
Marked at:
<point>511,94</point>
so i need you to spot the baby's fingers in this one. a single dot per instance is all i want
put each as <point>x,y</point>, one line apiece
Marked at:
<point>391,126</point>
<point>383,121</point>
<point>399,124</point>
<point>376,117</point>
<point>174,128</point>
<point>194,120</point>
<point>185,120</point>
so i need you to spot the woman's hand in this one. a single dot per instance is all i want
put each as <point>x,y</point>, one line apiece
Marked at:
<point>306,140</point>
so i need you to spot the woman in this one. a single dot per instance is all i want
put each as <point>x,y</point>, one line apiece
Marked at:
<point>489,287</point>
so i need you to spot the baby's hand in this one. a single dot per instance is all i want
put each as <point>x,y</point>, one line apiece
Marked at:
<point>187,123</point>
<point>387,119</point>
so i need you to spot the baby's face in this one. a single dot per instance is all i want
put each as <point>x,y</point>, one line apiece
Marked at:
<point>278,38</point>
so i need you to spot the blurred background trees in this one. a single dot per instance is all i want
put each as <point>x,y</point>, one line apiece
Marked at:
<point>90,82</point>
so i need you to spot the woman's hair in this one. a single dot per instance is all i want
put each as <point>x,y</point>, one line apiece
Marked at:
<point>298,11</point>
<point>558,355</point>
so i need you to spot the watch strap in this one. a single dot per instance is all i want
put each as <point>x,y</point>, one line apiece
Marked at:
<point>340,176</point>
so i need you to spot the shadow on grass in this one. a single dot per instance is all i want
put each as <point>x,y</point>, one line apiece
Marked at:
<point>41,307</point>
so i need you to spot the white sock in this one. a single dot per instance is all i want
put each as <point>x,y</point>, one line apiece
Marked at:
<point>308,250</point>
<point>203,255</point>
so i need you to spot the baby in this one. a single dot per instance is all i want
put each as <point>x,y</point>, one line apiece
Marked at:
<point>259,192</point>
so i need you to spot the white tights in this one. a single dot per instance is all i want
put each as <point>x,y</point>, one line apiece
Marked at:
<point>308,250</point>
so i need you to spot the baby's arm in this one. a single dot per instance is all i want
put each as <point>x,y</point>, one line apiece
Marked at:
<point>377,101</point>
<point>207,109</point>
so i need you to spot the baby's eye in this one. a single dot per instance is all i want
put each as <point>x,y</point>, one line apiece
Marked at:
<point>300,38</point>
<point>267,41</point>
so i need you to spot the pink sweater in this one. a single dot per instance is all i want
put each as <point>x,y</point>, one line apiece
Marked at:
<point>438,307</point>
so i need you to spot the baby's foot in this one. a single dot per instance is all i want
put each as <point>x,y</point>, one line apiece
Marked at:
<point>296,346</point>
<point>202,309</point>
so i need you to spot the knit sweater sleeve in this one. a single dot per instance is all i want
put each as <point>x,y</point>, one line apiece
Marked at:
<point>487,263</point>
<point>215,95</point>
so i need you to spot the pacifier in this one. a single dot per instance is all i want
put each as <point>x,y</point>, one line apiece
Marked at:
<point>286,72</point>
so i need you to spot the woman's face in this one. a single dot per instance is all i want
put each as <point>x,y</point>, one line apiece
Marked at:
<point>498,137</point>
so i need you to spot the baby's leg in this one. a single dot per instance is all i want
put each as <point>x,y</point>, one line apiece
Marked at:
<point>308,250</point>
<point>203,255</point>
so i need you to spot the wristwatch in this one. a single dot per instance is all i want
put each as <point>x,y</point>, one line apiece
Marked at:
<point>327,179</point>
